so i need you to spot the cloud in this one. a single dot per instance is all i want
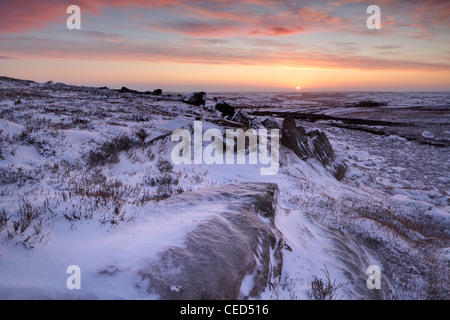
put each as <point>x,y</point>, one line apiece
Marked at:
<point>415,18</point>
<point>199,18</point>
<point>419,18</point>
<point>269,17</point>
<point>20,15</point>
<point>278,31</point>
<point>197,28</point>
<point>204,52</point>
<point>388,47</point>
<point>252,32</point>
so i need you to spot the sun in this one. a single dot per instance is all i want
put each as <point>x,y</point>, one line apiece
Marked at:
<point>298,88</point>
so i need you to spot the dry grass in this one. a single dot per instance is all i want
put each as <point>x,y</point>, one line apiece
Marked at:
<point>29,225</point>
<point>108,152</point>
<point>324,289</point>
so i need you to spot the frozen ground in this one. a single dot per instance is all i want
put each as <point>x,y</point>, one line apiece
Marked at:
<point>86,179</point>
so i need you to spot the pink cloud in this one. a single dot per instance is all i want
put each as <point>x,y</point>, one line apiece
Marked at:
<point>241,16</point>
<point>22,15</point>
<point>278,31</point>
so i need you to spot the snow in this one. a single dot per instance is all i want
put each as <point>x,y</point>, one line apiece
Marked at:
<point>94,248</point>
<point>325,223</point>
<point>9,128</point>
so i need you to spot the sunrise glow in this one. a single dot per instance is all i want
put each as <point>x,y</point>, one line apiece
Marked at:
<point>229,45</point>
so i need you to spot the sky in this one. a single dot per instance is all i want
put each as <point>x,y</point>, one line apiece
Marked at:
<point>254,45</point>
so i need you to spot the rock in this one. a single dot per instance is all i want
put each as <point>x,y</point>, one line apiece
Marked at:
<point>368,104</point>
<point>126,90</point>
<point>270,123</point>
<point>314,144</point>
<point>224,108</point>
<point>221,251</point>
<point>295,138</point>
<point>428,135</point>
<point>156,92</point>
<point>256,123</point>
<point>241,116</point>
<point>196,99</point>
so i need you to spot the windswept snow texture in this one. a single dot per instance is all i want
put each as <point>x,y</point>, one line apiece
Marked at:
<point>86,179</point>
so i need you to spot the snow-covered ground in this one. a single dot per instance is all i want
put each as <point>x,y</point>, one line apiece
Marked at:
<point>86,179</point>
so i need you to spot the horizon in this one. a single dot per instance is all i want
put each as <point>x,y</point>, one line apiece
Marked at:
<point>293,91</point>
<point>230,46</point>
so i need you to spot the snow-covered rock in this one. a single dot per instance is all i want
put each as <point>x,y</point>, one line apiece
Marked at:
<point>314,144</point>
<point>243,240</point>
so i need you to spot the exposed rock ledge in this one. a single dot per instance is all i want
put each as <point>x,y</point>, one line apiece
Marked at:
<point>314,144</point>
<point>242,242</point>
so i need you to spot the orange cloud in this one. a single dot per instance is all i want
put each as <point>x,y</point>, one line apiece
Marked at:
<point>205,51</point>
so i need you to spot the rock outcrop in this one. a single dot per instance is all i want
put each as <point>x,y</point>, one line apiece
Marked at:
<point>314,144</point>
<point>126,90</point>
<point>156,92</point>
<point>224,108</point>
<point>367,104</point>
<point>241,116</point>
<point>196,99</point>
<point>270,123</point>
<point>238,243</point>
